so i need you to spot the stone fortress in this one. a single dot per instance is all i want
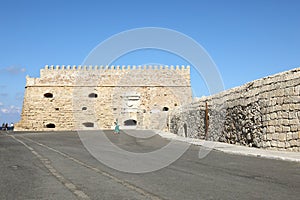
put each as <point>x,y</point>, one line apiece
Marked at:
<point>94,97</point>
<point>264,113</point>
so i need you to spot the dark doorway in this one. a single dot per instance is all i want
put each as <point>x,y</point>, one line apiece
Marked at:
<point>130,122</point>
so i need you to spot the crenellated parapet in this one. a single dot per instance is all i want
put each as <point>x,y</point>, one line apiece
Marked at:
<point>116,67</point>
<point>111,75</point>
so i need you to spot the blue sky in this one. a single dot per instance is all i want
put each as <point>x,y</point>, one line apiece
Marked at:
<point>247,39</point>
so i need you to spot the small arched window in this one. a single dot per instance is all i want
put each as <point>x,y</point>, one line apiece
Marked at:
<point>165,109</point>
<point>48,95</point>
<point>50,125</point>
<point>93,95</point>
<point>84,108</point>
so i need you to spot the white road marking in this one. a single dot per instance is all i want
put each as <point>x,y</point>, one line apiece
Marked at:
<point>68,184</point>
<point>120,181</point>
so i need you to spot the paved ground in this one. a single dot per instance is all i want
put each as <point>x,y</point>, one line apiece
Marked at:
<point>55,165</point>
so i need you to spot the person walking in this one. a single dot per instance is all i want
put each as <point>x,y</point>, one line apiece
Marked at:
<point>117,128</point>
<point>12,126</point>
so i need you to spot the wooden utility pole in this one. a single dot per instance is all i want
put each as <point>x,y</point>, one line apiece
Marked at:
<point>206,120</point>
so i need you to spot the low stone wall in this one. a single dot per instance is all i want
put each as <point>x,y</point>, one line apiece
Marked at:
<point>264,113</point>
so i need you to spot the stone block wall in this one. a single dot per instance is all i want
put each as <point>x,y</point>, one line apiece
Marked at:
<point>264,113</point>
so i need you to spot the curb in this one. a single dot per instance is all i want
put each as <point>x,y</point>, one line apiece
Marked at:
<point>236,149</point>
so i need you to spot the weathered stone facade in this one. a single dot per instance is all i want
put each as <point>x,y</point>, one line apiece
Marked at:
<point>81,97</point>
<point>264,113</point>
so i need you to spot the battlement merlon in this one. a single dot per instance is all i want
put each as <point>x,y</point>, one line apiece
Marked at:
<point>30,81</point>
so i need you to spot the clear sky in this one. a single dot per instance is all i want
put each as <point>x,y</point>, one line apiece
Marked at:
<point>247,39</point>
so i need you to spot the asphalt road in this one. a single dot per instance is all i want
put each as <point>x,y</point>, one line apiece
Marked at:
<point>56,165</point>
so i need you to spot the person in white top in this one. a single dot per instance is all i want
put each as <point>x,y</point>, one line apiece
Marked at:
<point>12,126</point>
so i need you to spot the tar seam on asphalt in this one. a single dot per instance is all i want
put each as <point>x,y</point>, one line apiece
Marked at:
<point>112,177</point>
<point>68,184</point>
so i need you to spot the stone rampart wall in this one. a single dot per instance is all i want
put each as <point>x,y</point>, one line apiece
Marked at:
<point>264,113</point>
